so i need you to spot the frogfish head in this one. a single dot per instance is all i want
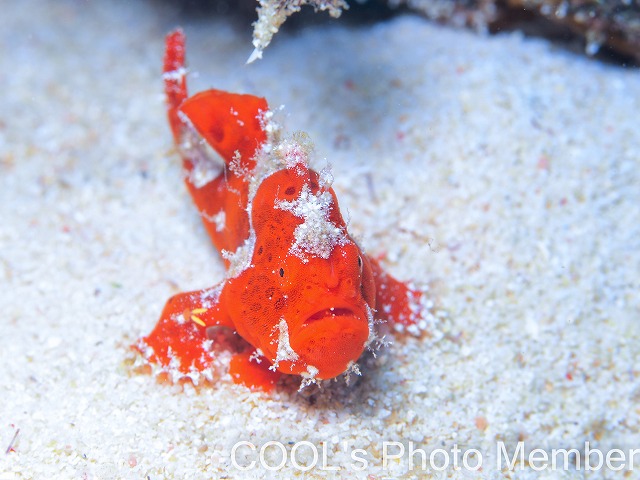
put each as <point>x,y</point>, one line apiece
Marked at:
<point>307,300</point>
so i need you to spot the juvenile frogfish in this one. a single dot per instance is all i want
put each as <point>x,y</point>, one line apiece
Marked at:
<point>297,287</point>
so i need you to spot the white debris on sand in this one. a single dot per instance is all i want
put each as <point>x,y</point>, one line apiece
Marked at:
<point>501,171</point>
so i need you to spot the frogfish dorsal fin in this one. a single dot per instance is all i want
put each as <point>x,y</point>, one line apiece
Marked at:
<point>229,122</point>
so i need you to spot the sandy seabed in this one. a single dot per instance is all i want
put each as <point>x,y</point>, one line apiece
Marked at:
<point>501,171</point>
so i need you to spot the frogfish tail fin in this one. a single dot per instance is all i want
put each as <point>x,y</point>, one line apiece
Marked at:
<point>231,123</point>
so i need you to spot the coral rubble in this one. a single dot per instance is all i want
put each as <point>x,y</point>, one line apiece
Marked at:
<point>273,13</point>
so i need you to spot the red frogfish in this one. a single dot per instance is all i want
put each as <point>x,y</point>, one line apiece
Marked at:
<point>297,289</point>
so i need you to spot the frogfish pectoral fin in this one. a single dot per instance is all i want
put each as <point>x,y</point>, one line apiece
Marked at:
<point>253,373</point>
<point>395,301</point>
<point>179,340</point>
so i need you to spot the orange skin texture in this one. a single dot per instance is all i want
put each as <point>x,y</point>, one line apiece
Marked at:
<point>326,304</point>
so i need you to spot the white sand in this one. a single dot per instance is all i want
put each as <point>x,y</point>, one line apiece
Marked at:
<point>503,171</point>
